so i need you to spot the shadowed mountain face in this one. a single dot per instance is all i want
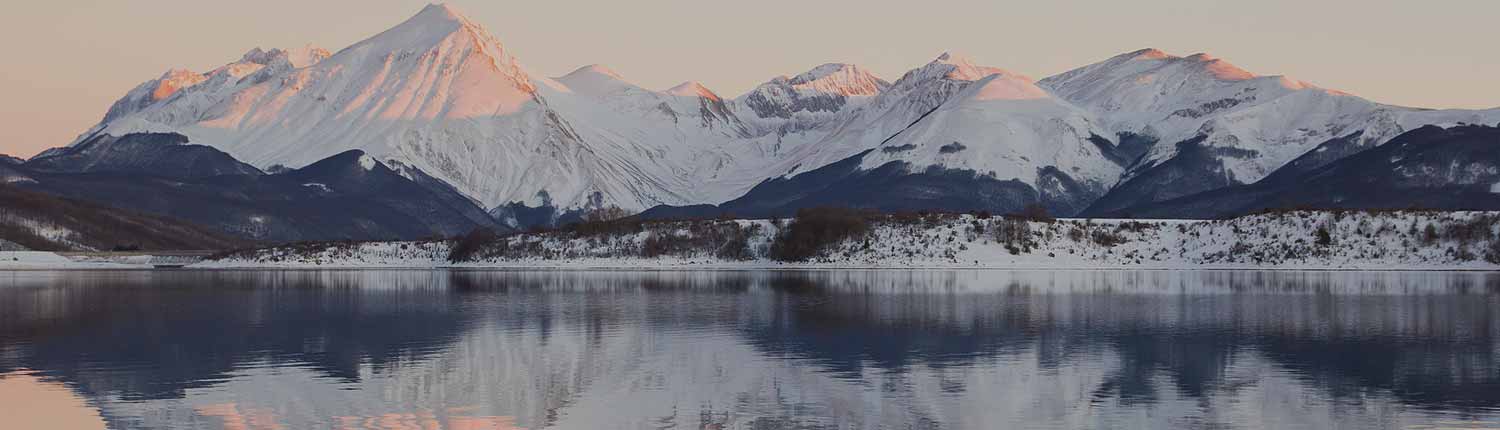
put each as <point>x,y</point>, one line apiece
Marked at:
<point>893,187</point>
<point>344,197</point>
<point>1456,168</point>
<point>567,349</point>
<point>1195,169</point>
<point>164,155</point>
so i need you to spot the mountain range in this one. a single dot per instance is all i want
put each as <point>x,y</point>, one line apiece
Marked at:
<point>451,123</point>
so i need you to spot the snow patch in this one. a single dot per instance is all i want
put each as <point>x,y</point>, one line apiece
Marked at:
<point>367,162</point>
<point>31,258</point>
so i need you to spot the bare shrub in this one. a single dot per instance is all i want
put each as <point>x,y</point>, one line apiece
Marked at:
<point>1015,234</point>
<point>816,229</point>
<point>1035,212</point>
<point>465,248</point>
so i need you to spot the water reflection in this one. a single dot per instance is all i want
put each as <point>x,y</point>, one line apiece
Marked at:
<point>845,349</point>
<point>28,402</point>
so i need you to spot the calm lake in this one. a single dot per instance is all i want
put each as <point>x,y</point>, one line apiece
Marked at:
<point>749,350</point>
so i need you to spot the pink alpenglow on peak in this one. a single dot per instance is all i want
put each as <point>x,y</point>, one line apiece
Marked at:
<point>1221,69</point>
<point>841,79</point>
<point>961,68</point>
<point>1008,87</point>
<point>1148,54</point>
<point>597,80</point>
<point>595,69</point>
<point>692,89</point>
<point>175,80</point>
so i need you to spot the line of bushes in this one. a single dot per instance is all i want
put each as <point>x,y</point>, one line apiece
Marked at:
<point>813,232</point>
<point>816,229</point>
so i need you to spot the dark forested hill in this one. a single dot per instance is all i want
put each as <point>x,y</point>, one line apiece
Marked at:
<point>47,223</point>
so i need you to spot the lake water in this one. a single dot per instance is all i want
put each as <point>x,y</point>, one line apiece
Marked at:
<point>749,350</point>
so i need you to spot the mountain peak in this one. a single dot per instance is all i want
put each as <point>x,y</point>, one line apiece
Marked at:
<point>428,27</point>
<point>1203,57</point>
<point>954,58</point>
<point>823,71</point>
<point>297,58</point>
<point>594,69</point>
<point>1153,61</point>
<point>440,12</point>
<point>596,80</point>
<point>835,78</point>
<point>1220,69</point>
<point>342,162</point>
<point>1146,54</point>
<point>960,67</point>
<point>692,89</point>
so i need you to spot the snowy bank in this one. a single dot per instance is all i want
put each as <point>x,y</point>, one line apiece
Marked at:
<point>39,260</point>
<point>1403,240</point>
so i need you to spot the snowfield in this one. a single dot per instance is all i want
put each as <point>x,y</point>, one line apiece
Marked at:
<point>1280,241</point>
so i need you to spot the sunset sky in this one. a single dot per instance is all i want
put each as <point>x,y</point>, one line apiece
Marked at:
<point>66,61</point>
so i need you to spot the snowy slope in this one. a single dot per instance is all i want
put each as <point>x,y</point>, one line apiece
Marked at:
<point>1004,126</point>
<point>675,146</point>
<point>896,107</point>
<point>1266,120</point>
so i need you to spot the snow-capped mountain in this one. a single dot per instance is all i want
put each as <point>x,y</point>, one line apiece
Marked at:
<point>951,136</point>
<point>438,94</point>
<point>1006,127</point>
<point>810,100</point>
<point>442,101</point>
<point>1455,168</point>
<point>1249,124</point>
<point>257,62</point>
<point>435,92</point>
<point>899,106</point>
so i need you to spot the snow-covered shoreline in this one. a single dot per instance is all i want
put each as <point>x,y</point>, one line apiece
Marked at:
<point>1386,241</point>
<point>41,260</point>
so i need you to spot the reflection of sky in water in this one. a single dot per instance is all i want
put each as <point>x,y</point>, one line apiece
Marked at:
<point>28,402</point>
<point>463,350</point>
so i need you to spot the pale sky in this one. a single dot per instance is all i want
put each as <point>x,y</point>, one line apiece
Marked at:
<point>65,61</point>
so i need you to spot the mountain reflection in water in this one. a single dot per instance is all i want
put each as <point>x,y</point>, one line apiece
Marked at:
<point>761,350</point>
